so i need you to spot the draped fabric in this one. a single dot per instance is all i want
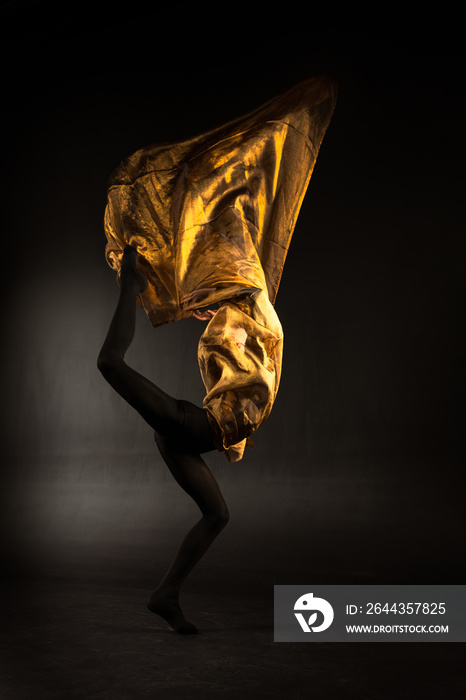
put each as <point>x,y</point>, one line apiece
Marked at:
<point>240,357</point>
<point>213,217</point>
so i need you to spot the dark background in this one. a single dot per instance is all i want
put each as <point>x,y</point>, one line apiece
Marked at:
<point>358,474</point>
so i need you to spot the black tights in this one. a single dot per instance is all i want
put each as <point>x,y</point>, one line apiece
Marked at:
<point>182,433</point>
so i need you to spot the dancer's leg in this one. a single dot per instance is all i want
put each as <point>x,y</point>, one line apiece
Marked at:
<point>158,409</point>
<point>193,475</point>
<point>180,448</point>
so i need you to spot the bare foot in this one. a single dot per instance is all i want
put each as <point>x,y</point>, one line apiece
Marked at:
<point>129,266</point>
<point>166,605</point>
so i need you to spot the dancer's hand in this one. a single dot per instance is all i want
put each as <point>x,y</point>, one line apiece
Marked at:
<point>204,315</point>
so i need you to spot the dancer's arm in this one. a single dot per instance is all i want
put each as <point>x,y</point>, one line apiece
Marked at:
<point>205,315</point>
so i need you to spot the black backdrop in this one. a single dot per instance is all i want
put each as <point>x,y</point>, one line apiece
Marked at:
<point>357,474</point>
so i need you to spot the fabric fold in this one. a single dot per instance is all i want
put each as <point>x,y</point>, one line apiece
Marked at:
<point>240,358</point>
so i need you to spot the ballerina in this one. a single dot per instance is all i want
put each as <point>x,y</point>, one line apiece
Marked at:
<point>197,223</point>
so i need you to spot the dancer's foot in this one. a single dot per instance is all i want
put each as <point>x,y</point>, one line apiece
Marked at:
<point>130,268</point>
<point>166,605</point>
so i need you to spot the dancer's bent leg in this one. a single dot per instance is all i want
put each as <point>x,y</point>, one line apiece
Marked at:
<point>186,434</point>
<point>162,412</point>
<point>193,475</point>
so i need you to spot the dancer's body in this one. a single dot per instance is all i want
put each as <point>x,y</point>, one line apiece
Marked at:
<point>212,217</point>
<point>182,434</point>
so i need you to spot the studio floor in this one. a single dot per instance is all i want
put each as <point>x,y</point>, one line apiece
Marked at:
<point>81,631</point>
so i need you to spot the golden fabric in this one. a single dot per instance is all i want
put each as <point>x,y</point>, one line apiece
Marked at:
<point>213,216</point>
<point>240,356</point>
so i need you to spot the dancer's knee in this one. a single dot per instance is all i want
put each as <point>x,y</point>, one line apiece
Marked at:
<point>217,520</point>
<point>109,363</point>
